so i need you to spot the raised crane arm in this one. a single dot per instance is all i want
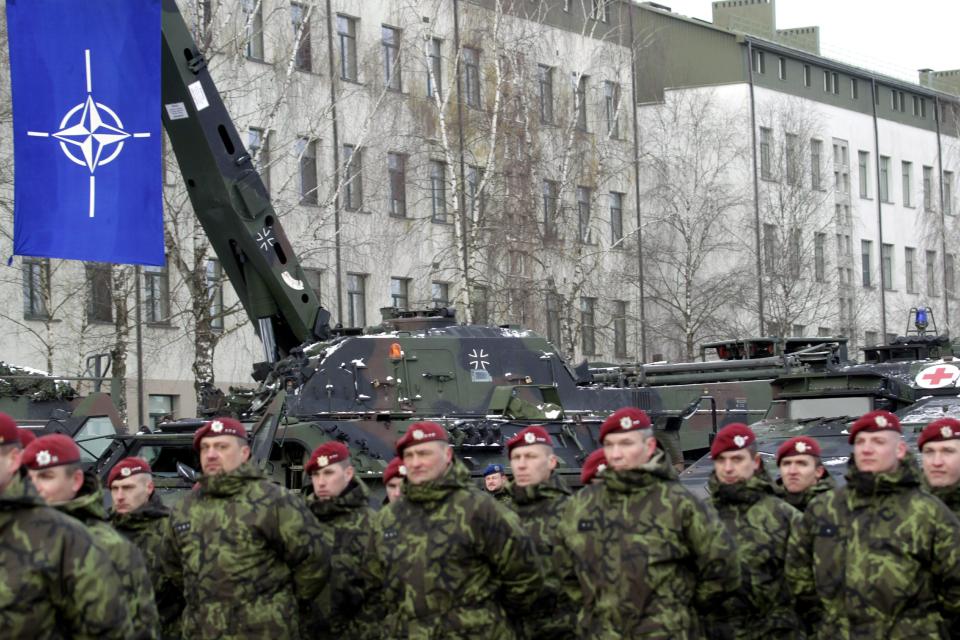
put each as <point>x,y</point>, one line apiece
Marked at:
<point>231,201</point>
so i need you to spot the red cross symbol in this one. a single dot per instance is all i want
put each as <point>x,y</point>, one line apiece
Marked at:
<point>937,376</point>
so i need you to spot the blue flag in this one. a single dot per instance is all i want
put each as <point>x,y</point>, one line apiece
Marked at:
<point>85,77</point>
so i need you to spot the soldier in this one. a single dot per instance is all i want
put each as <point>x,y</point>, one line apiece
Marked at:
<point>341,504</point>
<point>879,557</point>
<point>646,552</point>
<point>26,436</point>
<point>452,561</point>
<point>495,481</point>
<point>54,465</point>
<point>393,477</point>
<point>56,582</point>
<point>593,468</point>
<point>140,515</point>
<point>247,554</point>
<point>539,497</point>
<point>802,475</point>
<point>939,445</point>
<point>759,523</point>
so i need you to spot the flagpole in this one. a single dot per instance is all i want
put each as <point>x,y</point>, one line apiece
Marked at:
<point>139,333</point>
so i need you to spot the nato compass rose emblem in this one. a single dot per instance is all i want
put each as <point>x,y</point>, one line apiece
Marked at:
<point>91,135</point>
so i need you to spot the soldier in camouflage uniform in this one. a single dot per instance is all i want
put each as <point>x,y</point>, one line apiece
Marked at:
<point>54,581</point>
<point>54,465</point>
<point>939,445</point>
<point>341,503</point>
<point>140,515</point>
<point>646,552</point>
<point>247,554</point>
<point>759,523</point>
<point>454,564</point>
<point>802,474</point>
<point>539,498</point>
<point>879,557</point>
<point>495,481</point>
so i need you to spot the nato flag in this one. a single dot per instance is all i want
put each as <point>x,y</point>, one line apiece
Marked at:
<point>85,76</point>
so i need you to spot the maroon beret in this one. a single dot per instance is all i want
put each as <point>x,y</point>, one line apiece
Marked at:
<point>594,465</point>
<point>942,429</point>
<point>732,437</point>
<point>875,421</point>
<point>625,419</point>
<point>128,467</point>
<point>219,427</point>
<point>26,436</point>
<point>51,451</point>
<point>421,432</point>
<point>799,446</point>
<point>395,469</point>
<point>531,435</point>
<point>9,434</point>
<point>326,454</point>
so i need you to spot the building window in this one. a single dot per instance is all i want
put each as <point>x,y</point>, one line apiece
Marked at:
<point>314,279</point>
<point>299,17</point>
<point>864,171</point>
<point>948,274</point>
<point>792,152</point>
<point>816,151</point>
<point>554,303</point>
<point>611,101</point>
<point>480,305</point>
<point>545,80</point>
<point>213,282</point>
<point>434,75</point>
<point>782,68</point>
<point>870,338</point>
<point>769,246</point>
<point>931,273</point>
<point>906,170</point>
<point>36,287</point>
<point>588,342</point>
<point>928,188</point>
<point>583,214</point>
<point>99,292</point>
<point>400,293</point>
<point>253,28</point>
<point>819,256</point>
<point>471,67</point>
<point>948,192</point>
<point>616,218</point>
<point>827,78</point>
<point>884,179</point>
<point>391,58</point>
<point>356,300</point>
<point>347,37</point>
<point>352,177</point>
<point>156,294</point>
<point>759,61</point>
<point>854,90</point>
<point>438,191</point>
<point>620,328</point>
<point>886,266</point>
<point>307,157</point>
<point>580,100</point>
<point>258,144</point>
<point>551,191</point>
<point>835,86</point>
<point>865,249</point>
<point>806,75</point>
<point>766,135</point>
<point>440,294</point>
<point>160,408</point>
<point>909,269</point>
<point>397,170</point>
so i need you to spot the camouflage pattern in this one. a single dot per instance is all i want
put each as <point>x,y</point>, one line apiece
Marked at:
<point>950,496</point>
<point>349,601</point>
<point>877,558</point>
<point>504,494</point>
<point>759,523</point>
<point>648,555</point>
<point>540,508</point>
<point>800,500</point>
<point>87,507</point>
<point>144,527</point>
<point>247,555</point>
<point>454,564</point>
<point>55,582</point>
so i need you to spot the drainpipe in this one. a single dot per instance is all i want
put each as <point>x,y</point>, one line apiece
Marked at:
<point>636,184</point>
<point>876,147</point>
<point>756,187</point>
<point>331,71</point>
<point>943,219</point>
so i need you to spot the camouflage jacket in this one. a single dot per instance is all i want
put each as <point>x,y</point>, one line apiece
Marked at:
<point>247,555</point>
<point>144,527</point>
<point>54,581</point>
<point>760,524</point>
<point>950,496</point>
<point>802,499</point>
<point>87,507</point>
<point>877,558</point>
<point>540,508</point>
<point>503,495</point>
<point>454,563</point>
<point>647,554</point>
<point>349,601</point>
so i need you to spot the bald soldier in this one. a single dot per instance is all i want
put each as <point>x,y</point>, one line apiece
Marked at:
<point>802,474</point>
<point>939,445</point>
<point>453,562</point>
<point>878,557</point>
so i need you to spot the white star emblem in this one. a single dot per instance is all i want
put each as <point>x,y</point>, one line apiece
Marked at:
<point>740,441</point>
<point>403,469</point>
<point>881,421</point>
<point>626,422</point>
<point>529,438</point>
<point>44,458</point>
<point>323,461</point>
<point>126,471</point>
<point>601,468</point>
<point>418,434</point>
<point>800,447</point>
<point>216,427</point>
<point>946,431</point>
